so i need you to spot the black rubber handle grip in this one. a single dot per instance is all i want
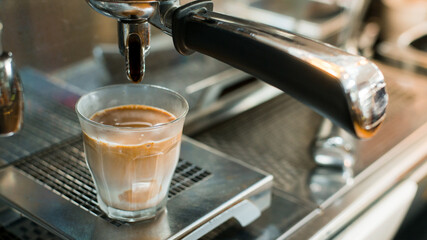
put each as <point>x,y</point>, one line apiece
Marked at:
<point>321,76</point>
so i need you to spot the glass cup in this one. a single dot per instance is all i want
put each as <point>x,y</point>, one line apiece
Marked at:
<point>132,167</point>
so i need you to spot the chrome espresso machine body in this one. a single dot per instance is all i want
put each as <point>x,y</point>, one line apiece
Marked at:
<point>45,187</point>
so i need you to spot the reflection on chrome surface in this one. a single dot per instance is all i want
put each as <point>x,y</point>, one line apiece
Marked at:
<point>326,181</point>
<point>333,147</point>
<point>11,94</point>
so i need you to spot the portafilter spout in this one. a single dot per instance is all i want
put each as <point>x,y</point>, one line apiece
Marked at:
<point>348,89</point>
<point>134,40</point>
<point>133,30</point>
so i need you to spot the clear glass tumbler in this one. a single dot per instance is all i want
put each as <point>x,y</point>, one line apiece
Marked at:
<point>132,167</point>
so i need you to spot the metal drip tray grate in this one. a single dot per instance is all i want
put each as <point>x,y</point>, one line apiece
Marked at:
<point>24,229</point>
<point>63,170</point>
<point>6,235</point>
<point>55,182</point>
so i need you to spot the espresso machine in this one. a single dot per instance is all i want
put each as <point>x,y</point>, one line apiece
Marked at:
<point>230,192</point>
<point>345,88</point>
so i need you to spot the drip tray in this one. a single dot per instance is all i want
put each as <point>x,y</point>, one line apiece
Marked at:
<point>54,188</point>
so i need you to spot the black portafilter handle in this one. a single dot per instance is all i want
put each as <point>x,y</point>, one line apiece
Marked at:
<point>347,89</point>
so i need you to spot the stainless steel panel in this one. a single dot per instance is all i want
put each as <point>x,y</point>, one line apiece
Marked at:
<point>39,187</point>
<point>277,135</point>
<point>372,184</point>
<point>277,138</point>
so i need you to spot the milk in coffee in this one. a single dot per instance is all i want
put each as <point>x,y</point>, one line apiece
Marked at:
<point>136,165</point>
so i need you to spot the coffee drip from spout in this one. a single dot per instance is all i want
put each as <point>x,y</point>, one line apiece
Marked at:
<point>134,40</point>
<point>347,89</point>
<point>133,29</point>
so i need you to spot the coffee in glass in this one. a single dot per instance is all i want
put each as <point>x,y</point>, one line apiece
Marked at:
<point>132,135</point>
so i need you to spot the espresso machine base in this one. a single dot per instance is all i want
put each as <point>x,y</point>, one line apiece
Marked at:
<point>44,176</point>
<point>53,188</point>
